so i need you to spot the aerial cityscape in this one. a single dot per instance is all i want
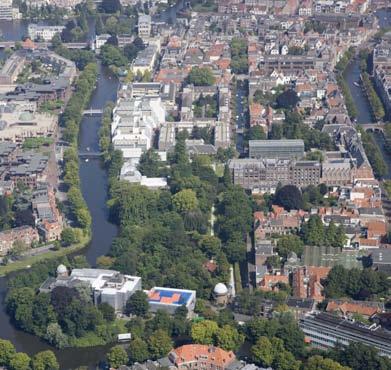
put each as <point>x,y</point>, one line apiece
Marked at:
<point>195,184</point>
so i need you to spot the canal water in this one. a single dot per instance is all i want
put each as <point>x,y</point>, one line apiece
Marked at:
<point>94,188</point>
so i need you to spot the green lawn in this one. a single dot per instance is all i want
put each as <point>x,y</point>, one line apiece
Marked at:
<point>24,264</point>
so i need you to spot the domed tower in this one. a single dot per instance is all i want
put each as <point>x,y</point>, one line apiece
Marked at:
<point>62,271</point>
<point>220,294</point>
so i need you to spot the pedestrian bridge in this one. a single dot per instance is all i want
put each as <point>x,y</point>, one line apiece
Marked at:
<point>89,155</point>
<point>92,112</point>
<point>373,127</point>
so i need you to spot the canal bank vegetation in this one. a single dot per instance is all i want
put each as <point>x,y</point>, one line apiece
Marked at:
<point>373,98</point>
<point>76,207</point>
<point>374,155</point>
<point>10,359</point>
<point>64,317</point>
<point>340,69</point>
<point>375,102</point>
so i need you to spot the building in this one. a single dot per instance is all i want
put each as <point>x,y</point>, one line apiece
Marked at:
<point>272,149</point>
<point>198,356</point>
<point>107,286</point>
<point>220,294</point>
<point>145,60</point>
<point>337,172</point>
<point>349,308</point>
<point>7,12</point>
<point>135,121</point>
<point>45,33</point>
<point>324,330</point>
<point>144,26</point>
<point>307,282</point>
<point>11,68</point>
<point>16,127</point>
<point>381,260</point>
<point>264,175</point>
<point>30,169</point>
<point>169,299</point>
<point>24,234</point>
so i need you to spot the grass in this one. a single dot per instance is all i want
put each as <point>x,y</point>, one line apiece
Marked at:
<point>24,264</point>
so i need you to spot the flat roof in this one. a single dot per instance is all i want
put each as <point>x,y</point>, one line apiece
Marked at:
<point>283,142</point>
<point>170,296</point>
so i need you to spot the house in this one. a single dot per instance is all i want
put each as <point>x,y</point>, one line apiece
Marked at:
<point>198,356</point>
<point>270,283</point>
<point>24,234</point>
<point>307,282</point>
<point>348,308</point>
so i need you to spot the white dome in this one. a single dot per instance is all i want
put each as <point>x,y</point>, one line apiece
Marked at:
<point>220,289</point>
<point>61,269</point>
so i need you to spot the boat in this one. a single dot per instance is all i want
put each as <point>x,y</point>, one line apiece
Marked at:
<point>86,160</point>
<point>355,83</point>
<point>88,148</point>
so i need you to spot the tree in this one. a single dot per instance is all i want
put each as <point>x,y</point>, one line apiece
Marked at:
<point>112,55</point>
<point>7,351</point>
<point>289,243</point>
<point>138,350</point>
<point>55,336</point>
<point>201,77</point>
<point>20,361</point>
<point>107,311</point>
<point>149,164</point>
<point>313,231</point>
<point>320,363</point>
<point>69,237</point>
<point>159,344</point>
<point>185,200</point>
<point>262,352</point>
<point>285,360</point>
<point>287,100</point>
<point>203,332</point>
<point>289,197</point>
<point>137,304</point>
<point>256,133</point>
<point>45,360</point>
<point>228,338</point>
<point>117,356</point>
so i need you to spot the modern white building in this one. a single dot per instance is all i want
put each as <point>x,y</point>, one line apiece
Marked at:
<point>130,173</point>
<point>107,286</point>
<point>135,121</point>
<point>43,32</point>
<point>144,26</point>
<point>7,12</point>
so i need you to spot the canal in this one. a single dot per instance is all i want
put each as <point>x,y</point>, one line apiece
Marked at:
<point>94,188</point>
<point>352,75</point>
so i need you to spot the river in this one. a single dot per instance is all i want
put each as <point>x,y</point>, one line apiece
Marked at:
<point>94,188</point>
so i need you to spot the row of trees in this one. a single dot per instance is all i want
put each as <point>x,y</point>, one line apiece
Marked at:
<point>374,154</point>
<point>70,120</point>
<point>340,68</point>
<point>374,100</point>
<point>239,56</point>
<point>357,284</point>
<point>12,360</point>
